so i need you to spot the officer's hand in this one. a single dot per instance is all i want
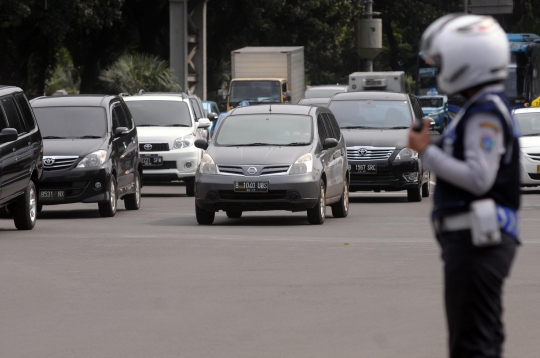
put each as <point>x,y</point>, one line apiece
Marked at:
<point>420,140</point>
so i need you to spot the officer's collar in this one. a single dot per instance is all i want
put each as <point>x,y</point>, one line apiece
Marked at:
<point>483,91</point>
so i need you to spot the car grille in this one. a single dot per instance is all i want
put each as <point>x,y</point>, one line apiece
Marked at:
<point>58,163</point>
<point>534,156</point>
<point>383,174</point>
<point>226,169</point>
<point>154,147</point>
<point>369,153</point>
<point>71,189</point>
<point>242,170</point>
<point>275,170</point>
<point>271,195</point>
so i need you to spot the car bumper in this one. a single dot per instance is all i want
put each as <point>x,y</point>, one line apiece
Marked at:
<point>530,175</point>
<point>80,185</point>
<point>177,164</point>
<point>389,177</point>
<point>285,192</point>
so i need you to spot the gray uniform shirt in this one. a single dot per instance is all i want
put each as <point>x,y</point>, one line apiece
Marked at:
<point>483,148</point>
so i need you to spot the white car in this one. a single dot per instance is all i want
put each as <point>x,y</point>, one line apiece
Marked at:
<point>167,127</point>
<point>528,120</point>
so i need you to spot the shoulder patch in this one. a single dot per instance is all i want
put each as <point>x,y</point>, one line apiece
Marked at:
<point>487,142</point>
<point>490,126</point>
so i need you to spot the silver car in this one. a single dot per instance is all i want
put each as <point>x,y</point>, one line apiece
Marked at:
<point>274,157</point>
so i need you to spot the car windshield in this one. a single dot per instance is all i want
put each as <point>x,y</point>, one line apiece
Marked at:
<point>372,114</point>
<point>160,113</point>
<point>71,122</point>
<point>431,102</point>
<point>529,123</point>
<point>255,91</point>
<point>320,93</point>
<point>265,129</point>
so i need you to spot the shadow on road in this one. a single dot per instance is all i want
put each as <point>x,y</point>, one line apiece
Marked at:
<point>222,220</point>
<point>377,199</point>
<point>163,195</point>
<point>69,214</point>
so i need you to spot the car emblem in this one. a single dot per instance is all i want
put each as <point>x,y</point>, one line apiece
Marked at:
<point>48,161</point>
<point>147,147</point>
<point>252,170</point>
<point>362,151</point>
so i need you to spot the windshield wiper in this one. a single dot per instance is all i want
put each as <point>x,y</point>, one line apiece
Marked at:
<point>360,127</point>
<point>398,127</point>
<point>293,144</point>
<point>176,125</point>
<point>147,125</point>
<point>53,137</point>
<point>252,145</point>
<point>89,137</point>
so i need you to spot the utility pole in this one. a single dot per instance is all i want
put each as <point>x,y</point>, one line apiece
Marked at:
<point>466,6</point>
<point>368,37</point>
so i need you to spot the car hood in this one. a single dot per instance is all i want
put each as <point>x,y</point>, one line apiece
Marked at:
<point>257,155</point>
<point>162,134</point>
<point>528,142</point>
<point>375,137</point>
<point>72,147</point>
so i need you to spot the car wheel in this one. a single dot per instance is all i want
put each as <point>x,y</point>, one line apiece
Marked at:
<point>25,208</point>
<point>341,208</point>
<point>234,214</point>
<point>204,217</point>
<point>133,201</point>
<point>414,195</point>
<point>190,186</point>
<point>317,214</point>
<point>425,188</point>
<point>107,209</point>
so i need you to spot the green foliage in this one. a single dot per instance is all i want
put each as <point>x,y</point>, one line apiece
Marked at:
<point>131,73</point>
<point>65,75</point>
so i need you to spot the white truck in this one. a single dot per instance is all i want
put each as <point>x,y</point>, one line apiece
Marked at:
<point>266,75</point>
<point>377,81</point>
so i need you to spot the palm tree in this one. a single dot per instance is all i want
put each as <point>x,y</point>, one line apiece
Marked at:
<point>131,73</point>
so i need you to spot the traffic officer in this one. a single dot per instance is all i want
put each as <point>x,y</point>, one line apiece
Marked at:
<point>477,194</point>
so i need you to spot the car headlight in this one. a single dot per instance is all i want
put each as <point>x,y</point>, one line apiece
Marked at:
<point>303,165</point>
<point>406,154</point>
<point>184,142</point>
<point>207,165</point>
<point>93,160</point>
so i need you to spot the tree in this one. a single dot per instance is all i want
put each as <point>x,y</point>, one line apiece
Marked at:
<point>131,73</point>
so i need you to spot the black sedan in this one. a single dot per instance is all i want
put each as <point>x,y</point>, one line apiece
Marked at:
<point>274,157</point>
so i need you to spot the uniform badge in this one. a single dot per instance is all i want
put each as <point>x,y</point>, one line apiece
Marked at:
<point>487,142</point>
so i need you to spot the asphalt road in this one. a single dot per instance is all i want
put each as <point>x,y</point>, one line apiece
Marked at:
<point>153,283</point>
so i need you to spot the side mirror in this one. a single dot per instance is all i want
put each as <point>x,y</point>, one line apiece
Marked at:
<point>201,144</point>
<point>203,123</point>
<point>287,95</point>
<point>330,143</point>
<point>212,116</point>
<point>120,132</point>
<point>8,135</point>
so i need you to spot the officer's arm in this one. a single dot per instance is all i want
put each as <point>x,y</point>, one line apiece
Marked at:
<point>484,146</point>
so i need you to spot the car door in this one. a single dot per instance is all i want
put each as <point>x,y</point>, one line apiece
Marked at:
<point>27,157</point>
<point>132,145</point>
<point>334,187</point>
<point>340,152</point>
<point>326,156</point>
<point>120,145</point>
<point>16,170</point>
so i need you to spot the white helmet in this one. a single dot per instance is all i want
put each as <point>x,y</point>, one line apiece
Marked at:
<point>468,50</point>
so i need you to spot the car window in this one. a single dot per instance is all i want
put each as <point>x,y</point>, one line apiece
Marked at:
<point>321,128</point>
<point>328,126</point>
<point>215,109</point>
<point>372,113</point>
<point>431,102</point>
<point>71,122</point>
<point>196,108</point>
<point>13,116</point>
<point>335,125</point>
<point>528,123</point>
<point>148,113</point>
<point>129,116</point>
<point>265,129</point>
<point>26,111</point>
<point>3,120</point>
<point>119,117</point>
<point>417,108</point>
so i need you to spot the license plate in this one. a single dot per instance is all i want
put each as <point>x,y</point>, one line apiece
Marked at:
<point>45,195</point>
<point>152,161</point>
<point>538,169</point>
<point>363,168</point>
<point>251,186</point>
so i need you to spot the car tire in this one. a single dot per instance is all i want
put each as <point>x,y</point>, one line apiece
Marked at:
<point>190,186</point>
<point>317,214</point>
<point>133,201</point>
<point>108,208</point>
<point>341,208</point>
<point>425,188</point>
<point>25,208</point>
<point>414,195</point>
<point>204,217</point>
<point>234,214</point>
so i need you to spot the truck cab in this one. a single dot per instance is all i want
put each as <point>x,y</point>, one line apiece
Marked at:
<point>258,91</point>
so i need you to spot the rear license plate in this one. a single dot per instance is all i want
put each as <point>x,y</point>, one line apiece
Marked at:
<point>363,168</point>
<point>251,186</point>
<point>152,161</point>
<point>46,195</point>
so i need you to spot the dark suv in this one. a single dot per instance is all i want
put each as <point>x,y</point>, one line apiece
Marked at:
<point>91,152</point>
<point>21,158</point>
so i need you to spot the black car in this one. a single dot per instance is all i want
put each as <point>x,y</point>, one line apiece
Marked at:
<point>375,126</point>
<point>21,158</point>
<point>91,152</point>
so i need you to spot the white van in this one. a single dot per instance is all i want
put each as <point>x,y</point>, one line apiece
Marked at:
<point>167,127</point>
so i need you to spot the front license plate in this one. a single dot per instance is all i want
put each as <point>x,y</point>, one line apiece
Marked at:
<point>538,169</point>
<point>52,195</point>
<point>152,161</point>
<point>363,168</point>
<point>251,186</point>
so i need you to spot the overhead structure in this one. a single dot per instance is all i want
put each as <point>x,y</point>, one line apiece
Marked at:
<point>188,44</point>
<point>491,7</point>
<point>368,37</point>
